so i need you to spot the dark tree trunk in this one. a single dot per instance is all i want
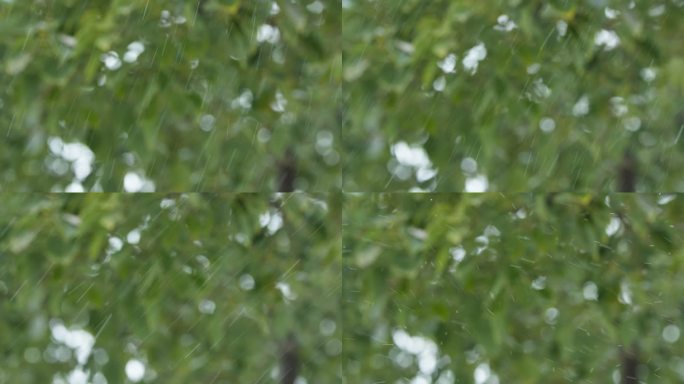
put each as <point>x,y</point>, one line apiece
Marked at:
<point>287,172</point>
<point>289,360</point>
<point>630,366</point>
<point>627,176</point>
<point>627,173</point>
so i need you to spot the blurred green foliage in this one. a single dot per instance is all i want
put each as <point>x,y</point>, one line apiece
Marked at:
<point>219,92</point>
<point>542,288</point>
<point>562,90</point>
<point>432,95</point>
<point>187,283</point>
